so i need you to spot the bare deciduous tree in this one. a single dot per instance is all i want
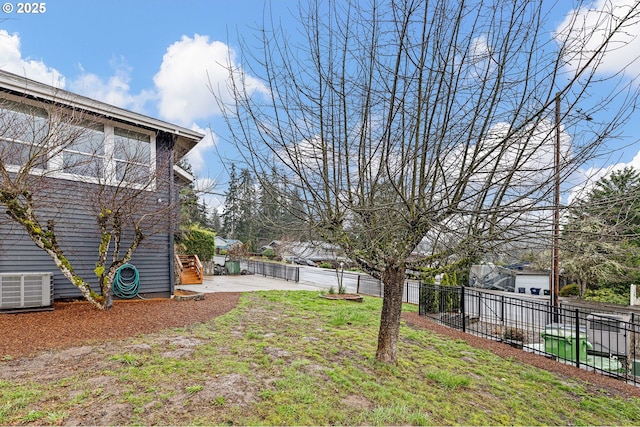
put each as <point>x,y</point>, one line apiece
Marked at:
<point>397,120</point>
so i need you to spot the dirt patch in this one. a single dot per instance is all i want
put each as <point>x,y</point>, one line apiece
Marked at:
<point>343,297</point>
<point>105,415</point>
<point>355,401</point>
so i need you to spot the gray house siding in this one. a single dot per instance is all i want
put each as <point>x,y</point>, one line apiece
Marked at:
<point>19,254</point>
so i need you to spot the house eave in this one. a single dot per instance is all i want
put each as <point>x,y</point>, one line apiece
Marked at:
<point>183,175</point>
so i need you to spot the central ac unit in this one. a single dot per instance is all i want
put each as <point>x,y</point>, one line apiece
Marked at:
<point>26,290</point>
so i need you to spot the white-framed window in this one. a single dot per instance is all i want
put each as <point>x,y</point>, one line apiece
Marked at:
<point>84,155</point>
<point>132,155</point>
<point>111,155</point>
<point>23,128</point>
<point>78,150</point>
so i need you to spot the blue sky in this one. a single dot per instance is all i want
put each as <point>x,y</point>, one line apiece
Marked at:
<point>153,56</point>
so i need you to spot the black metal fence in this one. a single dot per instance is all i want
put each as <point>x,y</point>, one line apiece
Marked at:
<point>271,269</point>
<point>368,285</point>
<point>607,343</point>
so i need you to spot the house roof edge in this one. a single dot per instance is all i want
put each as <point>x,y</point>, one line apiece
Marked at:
<point>15,83</point>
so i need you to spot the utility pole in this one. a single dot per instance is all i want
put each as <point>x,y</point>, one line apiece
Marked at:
<point>555,264</point>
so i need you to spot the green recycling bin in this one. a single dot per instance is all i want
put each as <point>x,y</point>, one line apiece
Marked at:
<point>562,341</point>
<point>233,267</point>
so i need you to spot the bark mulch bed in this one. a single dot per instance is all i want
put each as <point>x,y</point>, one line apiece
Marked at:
<point>78,323</point>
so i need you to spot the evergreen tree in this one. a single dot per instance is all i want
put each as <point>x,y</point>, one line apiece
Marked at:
<point>601,241</point>
<point>231,211</point>
<point>616,200</point>
<point>247,224</point>
<point>214,221</point>
<point>193,211</point>
<point>270,209</point>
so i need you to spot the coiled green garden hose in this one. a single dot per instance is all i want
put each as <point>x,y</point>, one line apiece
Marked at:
<point>126,283</point>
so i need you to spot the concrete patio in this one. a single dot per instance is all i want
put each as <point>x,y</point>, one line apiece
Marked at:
<point>249,283</point>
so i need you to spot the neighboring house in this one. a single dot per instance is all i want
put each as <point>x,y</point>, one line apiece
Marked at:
<point>220,244</point>
<point>532,282</point>
<point>224,244</point>
<point>491,276</point>
<point>161,143</point>
<point>313,251</point>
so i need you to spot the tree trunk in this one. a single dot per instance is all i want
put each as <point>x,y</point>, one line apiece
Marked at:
<point>107,296</point>
<point>393,280</point>
<point>582,288</point>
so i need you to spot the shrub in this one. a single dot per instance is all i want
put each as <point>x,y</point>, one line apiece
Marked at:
<point>269,253</point>
<point>237,251</point>
<point>569,290</point>
<point>430,299</point>
<point>200,242</point>
<point>449,279</point>
<point>325,264</point>
<point>607,295</point>
<point>513,334</point>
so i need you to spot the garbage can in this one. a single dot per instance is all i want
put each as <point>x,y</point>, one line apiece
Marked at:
<point>535,291</point>
<point>561,340</point>
<point>233,267</point>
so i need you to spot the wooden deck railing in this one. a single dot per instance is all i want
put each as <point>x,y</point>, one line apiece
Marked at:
<point>191,263</point>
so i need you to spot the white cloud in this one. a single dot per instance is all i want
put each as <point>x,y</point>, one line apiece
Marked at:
<point>588,177</point>
<point>586,28</point>
<point>115,90</point>
<point>207,190</point>
<point>11,60</point>
<point>197,156</point>
<point>191,68</point>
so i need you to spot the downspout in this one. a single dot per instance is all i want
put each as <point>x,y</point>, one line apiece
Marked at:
<point>170,154</point>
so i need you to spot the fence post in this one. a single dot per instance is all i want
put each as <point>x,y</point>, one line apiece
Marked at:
<point>579,341</point>
<point>631,371</point>
<point>555,312</point>
<point>358,285</point>
<point>463,310</point>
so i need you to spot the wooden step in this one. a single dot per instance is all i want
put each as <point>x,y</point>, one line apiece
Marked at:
<point>190,277</point>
